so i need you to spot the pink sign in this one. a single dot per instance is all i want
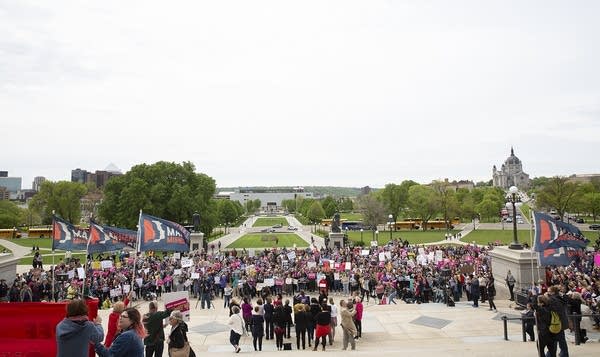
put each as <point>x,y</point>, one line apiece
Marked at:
<point>597,259</point>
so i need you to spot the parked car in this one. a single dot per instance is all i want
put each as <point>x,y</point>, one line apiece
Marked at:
<point>267,230</point>
<point>292,228</point>
<point>579,220</point>
<point>508,219</point>
<point>520,221</point>
<point>595,227</point>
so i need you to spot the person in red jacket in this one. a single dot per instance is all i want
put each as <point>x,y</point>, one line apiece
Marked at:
<point>113,320</point>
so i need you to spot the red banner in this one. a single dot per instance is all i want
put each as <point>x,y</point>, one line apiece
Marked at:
<point>29,328</point>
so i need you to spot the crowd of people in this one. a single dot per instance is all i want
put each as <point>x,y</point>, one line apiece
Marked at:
<point>384,274</point>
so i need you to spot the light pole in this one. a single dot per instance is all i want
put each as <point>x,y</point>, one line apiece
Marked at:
<point>513,200</point>
<point>377,237</point>
<point>390,222</point>
<point>361,237</point>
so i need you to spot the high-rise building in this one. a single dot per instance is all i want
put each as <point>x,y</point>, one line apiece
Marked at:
<point>12,185</point>
<point>37,183</point>
<point>79,175</point>
<point>4,195</point>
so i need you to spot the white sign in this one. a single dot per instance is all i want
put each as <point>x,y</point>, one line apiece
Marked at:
<point>71,274</point>
<point>139,281</point>
<point>382,257</point>
<point>288,281</point>
<point>311,264</point>
<point>364,252</point>
<point>336,276</point>
<point>373,243</point>
<point>126,289</point>
<point>106,264</point>
<point>438,256</point>
<point>177,255</point>
<point>195,275</point>
<point>81,273</point>
<point>177,272</point>
<point>178,301</point>
<point>270,282</point>
<point>291,255</point>
<point>186,263</point>
<point>348,266</point>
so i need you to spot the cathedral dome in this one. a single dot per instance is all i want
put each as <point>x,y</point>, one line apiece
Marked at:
<point>512,159</point>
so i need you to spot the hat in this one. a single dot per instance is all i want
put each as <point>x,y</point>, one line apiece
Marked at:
<point>176,314</point>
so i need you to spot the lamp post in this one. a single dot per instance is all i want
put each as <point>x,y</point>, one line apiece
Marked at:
<point>361,237</point>
<point>513,201</point>
<point>377,237</point>
<point>390,222</point>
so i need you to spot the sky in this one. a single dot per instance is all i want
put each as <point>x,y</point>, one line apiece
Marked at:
<point>300,93</point>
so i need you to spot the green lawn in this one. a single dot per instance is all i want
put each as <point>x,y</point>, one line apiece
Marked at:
<point>47,258</point>
<point>270,221</point>
<point>414,237</point>
<point>505,237</point>
<point>351,216</point>
<point>255,240</point>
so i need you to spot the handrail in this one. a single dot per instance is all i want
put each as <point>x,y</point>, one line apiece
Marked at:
<point>576,318</point>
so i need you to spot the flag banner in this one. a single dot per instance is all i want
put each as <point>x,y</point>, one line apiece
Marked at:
<point>552,233</point>
<point>107,239</point>
<point>66,236</point>
<point>162,235</point>
<point>562,256</point>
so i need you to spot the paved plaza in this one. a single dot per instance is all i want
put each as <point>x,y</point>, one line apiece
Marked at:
<point>425,329</point>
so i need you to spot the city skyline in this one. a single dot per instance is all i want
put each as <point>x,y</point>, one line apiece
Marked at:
<point>274,93</point>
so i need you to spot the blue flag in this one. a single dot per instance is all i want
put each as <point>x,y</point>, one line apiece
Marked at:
<point>562,256</point>
<point>553,234</point>
<point>106,238</point>
<point>162,235</point>
<point>66,236</point>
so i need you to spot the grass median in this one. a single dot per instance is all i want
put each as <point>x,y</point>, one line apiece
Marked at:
<point>268,240</point>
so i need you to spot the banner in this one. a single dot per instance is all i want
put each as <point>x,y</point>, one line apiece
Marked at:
<point>562,256</point>
<point>66,236</point>
<point>552,233</point>
<point>107,239</point>
<point>158,234</point>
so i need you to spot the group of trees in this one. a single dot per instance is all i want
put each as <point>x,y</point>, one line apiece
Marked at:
<point>175,192</point>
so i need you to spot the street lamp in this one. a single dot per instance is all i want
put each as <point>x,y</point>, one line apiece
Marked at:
<point>361,236</point>
<point>390,221</point>
<point>513,190</point>
<point>377,237</point>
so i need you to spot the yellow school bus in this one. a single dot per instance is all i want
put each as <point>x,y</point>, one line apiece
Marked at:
<point>10,233</point>
<point>40,232</point>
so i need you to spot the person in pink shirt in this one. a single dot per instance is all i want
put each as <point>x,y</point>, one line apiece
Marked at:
<point>358,317</point>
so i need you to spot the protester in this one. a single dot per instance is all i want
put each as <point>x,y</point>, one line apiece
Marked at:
<point>347,314</point>
<point>153,321</point>
<point>178,341</point>
<point>258,328</point>
<point>75,332</point>
<point>323,326</point>
<point>236,323</point>
<point>113,320</point>
<point>129,342</point>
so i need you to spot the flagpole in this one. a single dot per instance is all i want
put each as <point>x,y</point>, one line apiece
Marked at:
<point>531,246</point>
<point>137,248</point>
<point>54,266</point>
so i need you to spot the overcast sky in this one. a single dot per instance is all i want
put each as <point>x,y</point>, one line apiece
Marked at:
<point>273,93</point>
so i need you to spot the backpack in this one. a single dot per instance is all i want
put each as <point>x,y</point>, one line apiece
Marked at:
<point>555,325</point>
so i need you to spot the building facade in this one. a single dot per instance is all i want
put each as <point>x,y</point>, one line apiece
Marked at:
<point>270,198</point>
<point>510,174</point>
<point>37,183</point>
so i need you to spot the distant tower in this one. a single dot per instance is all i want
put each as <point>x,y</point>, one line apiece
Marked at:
<point>510,174</point>
<point>37,183</point>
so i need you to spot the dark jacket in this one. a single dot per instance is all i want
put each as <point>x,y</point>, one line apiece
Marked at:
<point>268,311</point>
<point>258,325</point>
<point>74,337</point>
<point>126,344</point>
<point>154,327</point>
<point>178,336</point>
<point>559,305</point>
<point>301,320</point>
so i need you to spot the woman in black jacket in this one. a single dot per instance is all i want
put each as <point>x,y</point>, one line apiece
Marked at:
<point>258,330</point>
<point>300,322</point>
<point>178,337</point>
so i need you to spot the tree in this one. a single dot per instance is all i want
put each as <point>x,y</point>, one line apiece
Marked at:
<point>373,210</point>
<point>10,214</point>
<point>346,204</point>
<point>393,198</point>
<point>165,189</point>
<point>330,206</point>
<point>446,201</point>
<point>63,197</point>
<point>316,212</point>
<point>228,212</point>
<point>592,203</point>
<point>422,203</point>
<point>557,193</point>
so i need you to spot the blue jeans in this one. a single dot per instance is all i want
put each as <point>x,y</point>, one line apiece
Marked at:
<point>391,297</point>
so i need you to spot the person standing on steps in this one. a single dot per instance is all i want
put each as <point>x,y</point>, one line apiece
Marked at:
<point>510,283</point>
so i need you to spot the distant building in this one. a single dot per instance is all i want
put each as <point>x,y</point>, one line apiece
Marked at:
<point>510,174</point>
<point>584,178</point>
<point>3,173</point>
<point>37,183</point>
<point>365,190</point>
<point>4,195</point>
<point>24,195</point>
<point>455,185</point>
<point>98,178</point>
<point>271,198</point>
<point>12,185</point>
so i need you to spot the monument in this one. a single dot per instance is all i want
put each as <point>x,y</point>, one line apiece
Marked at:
<point>336,237</point>
<point>197,237</point>
<point>523,265</point>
